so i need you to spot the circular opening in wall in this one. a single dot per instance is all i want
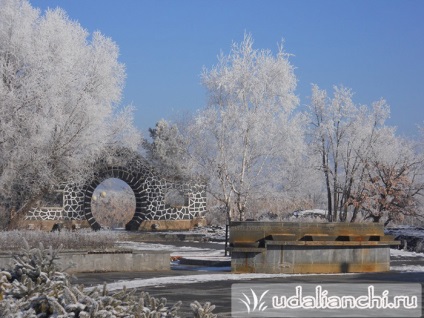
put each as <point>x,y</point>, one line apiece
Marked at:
<point>113,203</point>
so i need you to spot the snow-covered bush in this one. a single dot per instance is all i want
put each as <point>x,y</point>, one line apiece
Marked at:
<point>37,288</point>
<point>204,311</point>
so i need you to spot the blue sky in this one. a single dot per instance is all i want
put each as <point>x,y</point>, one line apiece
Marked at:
<point>374,47</point>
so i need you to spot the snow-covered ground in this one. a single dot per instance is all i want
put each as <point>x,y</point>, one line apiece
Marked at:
<point>402,253</point>
<point>185,279</point>
<point>183,251</point>
<point>210,233</point>
<point>402,257</point>
<point>209,277</point>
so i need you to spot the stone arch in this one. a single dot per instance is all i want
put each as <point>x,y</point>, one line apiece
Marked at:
<point>136,183</point>
<point>149,189</point>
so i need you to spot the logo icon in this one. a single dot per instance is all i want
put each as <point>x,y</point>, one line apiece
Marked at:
<point>256,304</point>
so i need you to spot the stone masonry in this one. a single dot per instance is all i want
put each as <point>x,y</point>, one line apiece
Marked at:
<point>149,188</point>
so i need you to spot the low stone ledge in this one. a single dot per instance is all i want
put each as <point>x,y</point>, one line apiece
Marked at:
<point>165,237</point>
<point>335,243</point>
<point>171,225</point>
<point>108,261</point>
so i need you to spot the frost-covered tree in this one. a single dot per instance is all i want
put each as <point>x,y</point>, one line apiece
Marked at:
<point>247,140</point>
<point>342,134</point>
<point>60,92</point>
<point>394,180</point>
<point>358,154</point>
<point>167,151</point>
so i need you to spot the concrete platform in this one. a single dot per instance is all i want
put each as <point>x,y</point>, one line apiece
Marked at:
<point>286,247</point>
<point>219,292</point>
<point>106,261</point>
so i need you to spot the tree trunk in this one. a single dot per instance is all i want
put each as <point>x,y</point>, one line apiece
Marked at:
<point>355,214</point>
<point>327,182</point>
<point>387,222</point>
<point>335,194</point>
<point>343,215</point>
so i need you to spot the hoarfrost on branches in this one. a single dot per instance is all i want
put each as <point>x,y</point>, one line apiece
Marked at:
<point>247,140</point>
<point>36,287</point>
<point>364,164</point>
<point>168,150</point>
<point>60,93</point>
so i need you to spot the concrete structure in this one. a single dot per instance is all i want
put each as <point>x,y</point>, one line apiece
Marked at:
<point>112,261</point>
<point>283,247</point>
<point>151,192</point>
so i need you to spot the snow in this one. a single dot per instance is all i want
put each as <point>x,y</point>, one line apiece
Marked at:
<point>213,254</point>
<point>407,268</point>
<point>402,253</point>
<point>407,256</point>
<point>314,215</point>
<point>191,252</point>
<point>190,279</point>
<point>197,252</point>
<point>210,277</point>
<point>184,251</point>
<point>308,212</point>
<point>211,233</point>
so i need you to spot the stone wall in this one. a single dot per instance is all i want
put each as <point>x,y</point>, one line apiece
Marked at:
<point>149,188</point>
